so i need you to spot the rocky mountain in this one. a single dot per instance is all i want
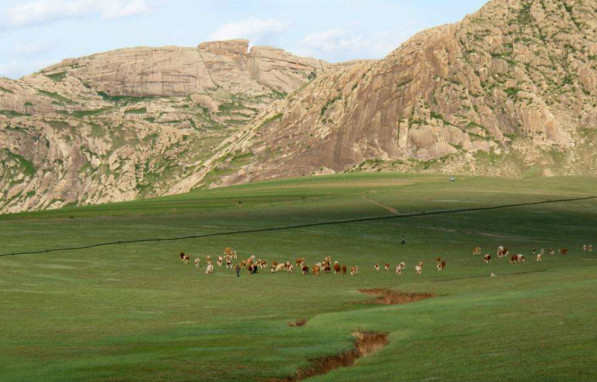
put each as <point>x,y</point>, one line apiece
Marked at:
<point>133,122</point>
<point>511,90</point>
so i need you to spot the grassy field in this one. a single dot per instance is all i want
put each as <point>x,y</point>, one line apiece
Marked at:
<point>134,313</point>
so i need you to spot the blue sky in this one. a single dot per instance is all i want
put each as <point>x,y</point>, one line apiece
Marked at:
<point>38,33</point>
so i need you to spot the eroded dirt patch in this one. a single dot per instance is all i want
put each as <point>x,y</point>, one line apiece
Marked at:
<point>366,343</point>
<point>297,323</point>
<point>391,297</point>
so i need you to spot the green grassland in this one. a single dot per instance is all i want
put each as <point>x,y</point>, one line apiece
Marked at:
<point>134,313</point>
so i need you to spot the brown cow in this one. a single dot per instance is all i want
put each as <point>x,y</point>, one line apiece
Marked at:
<point>305,269</point>
<point>337,268</point>
<point>564,251</point>
<point>476,251</point>
<point>344,269</point>
<point>316,270</point>
<point>487,258</point>
<point>386,267</point>
<point>354,270</point>
<point>377,267</point>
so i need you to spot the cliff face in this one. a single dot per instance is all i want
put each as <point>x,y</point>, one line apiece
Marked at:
<point>510,90</point>
<point>133,122</point>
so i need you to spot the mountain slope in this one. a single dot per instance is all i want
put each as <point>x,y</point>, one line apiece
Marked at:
<point>130,123</point>
<point>510,90</point>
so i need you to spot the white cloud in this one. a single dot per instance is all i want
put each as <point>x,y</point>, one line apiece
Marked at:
<point>41,11</point>
<point>254,29</point>
<point>339,44</point>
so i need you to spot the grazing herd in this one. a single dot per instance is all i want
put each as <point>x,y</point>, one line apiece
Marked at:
<point>253,265</point>
<point>519,258</point>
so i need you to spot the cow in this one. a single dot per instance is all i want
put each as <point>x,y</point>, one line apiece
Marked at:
<point>261,263</point>
<point>277,267</point>
<point>386,267</point>
<point>552,251</point>
<point>228,260</point>
<point>197,262</point>
<point>539,257</point>
<point>477,251</point>
<point>209,269</point>
<point>344,269</point>
<point>300,262</point>
<point>517,259</point>
<point>399,269</point>
<point>305,269</point>
<point>316,269</point>
<point>564,251</point>
<point>220,261</point>
<point>487,258</point>
<point>419,268</point>
<point>502,252</point>
<point>354,270</point>
<point>441,265</point>
<point>377,267</point>
<point>337,268</point>
<point>185,258</point>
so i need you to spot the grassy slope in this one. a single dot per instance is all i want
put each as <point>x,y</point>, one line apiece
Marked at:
<point>134,313</point>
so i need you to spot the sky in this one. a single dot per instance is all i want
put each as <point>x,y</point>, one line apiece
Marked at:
<point>38,33</point>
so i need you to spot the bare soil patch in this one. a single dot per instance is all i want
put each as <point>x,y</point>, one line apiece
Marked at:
<point>297,323</point>
<point>390,297</point>
<point>366,343</point>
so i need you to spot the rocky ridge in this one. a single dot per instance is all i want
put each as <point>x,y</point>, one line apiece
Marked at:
<point>133,122</point>
<point>510,91</point>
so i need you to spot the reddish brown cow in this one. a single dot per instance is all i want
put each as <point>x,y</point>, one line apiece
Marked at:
<point>344,269</point>
<point>564,251</point>
<point>337,268</point>
<point>487,258</point>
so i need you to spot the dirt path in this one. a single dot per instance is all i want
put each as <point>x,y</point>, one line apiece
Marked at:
<point>391,210</point>
<point>390,297</point>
